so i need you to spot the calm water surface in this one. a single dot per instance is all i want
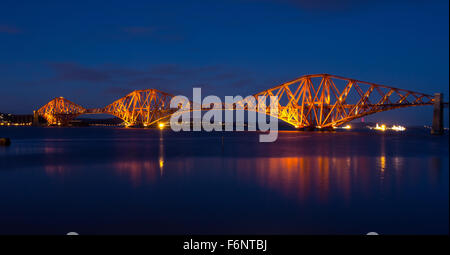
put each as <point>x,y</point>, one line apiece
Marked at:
<point>144,181</point>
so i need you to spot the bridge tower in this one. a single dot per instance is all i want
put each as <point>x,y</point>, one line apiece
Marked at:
<point>438,115</point>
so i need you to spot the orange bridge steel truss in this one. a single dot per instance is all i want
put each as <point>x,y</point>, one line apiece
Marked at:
<point>60,111</point>
<point>316,101</point>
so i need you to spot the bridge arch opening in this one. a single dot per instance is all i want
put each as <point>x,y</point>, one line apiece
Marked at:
<point>93,119</point>
<point>248,123</point>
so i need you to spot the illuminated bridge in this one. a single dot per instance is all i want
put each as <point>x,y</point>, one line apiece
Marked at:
<point>311,101</point>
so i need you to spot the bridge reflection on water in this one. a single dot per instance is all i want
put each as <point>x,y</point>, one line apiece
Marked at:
<point>110,180</point>
<point>313,176</point>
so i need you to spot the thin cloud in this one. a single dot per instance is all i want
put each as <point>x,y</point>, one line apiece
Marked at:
<point>9,29</point>
<point>139,30</point>
<point>158,33</point>
<point>74,72</point>
<point>117,91</point>
<point>317,5</point>
<point>171,78</point>
<point>337,6</point>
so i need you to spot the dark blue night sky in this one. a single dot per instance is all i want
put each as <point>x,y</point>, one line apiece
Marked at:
<point>94,52</point>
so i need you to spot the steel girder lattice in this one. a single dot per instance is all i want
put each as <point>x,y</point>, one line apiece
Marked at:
<point>59,111</point>
<point>141,107</point>
<point>324,100</point>
<point>318,101</point>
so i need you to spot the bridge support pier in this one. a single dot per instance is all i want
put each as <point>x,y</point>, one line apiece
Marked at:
<point>309,128</point>
<point>35,119</point>
<point>438,115</point>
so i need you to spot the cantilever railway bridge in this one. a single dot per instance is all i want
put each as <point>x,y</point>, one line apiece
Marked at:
<point>317,101</point>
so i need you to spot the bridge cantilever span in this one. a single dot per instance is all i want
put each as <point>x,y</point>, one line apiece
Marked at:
<point>141,107</point>
<point>138,107</point>
<point>310,101</point>
<point>60,111</point>
<point>324,100</point>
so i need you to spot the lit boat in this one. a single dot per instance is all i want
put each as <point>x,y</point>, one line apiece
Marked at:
<point>382,127</point>
<point>398,128</point>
